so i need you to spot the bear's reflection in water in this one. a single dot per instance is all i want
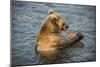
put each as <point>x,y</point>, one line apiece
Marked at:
<point>56,56</point>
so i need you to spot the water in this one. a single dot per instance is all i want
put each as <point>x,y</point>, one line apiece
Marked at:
<point>27,18</point>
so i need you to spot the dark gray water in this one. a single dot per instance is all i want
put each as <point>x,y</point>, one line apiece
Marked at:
<point>27,18</point>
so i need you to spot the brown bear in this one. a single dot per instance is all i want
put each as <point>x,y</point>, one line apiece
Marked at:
<point>49,41</point>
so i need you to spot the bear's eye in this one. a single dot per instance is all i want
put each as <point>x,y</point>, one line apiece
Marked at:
<point>59,17</point>
<point>53,19</point>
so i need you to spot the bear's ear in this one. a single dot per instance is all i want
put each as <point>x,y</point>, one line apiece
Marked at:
<point>50,12</point>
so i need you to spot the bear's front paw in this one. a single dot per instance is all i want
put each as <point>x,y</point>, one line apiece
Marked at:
<point>70,35</point>
<point>79,35</point>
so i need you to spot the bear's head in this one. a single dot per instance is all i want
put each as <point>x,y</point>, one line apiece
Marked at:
<point>54,23</point>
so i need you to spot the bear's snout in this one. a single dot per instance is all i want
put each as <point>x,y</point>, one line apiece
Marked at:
<point>65,27</point>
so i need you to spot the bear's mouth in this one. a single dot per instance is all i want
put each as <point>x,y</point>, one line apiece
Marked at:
<point>65,27</point>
